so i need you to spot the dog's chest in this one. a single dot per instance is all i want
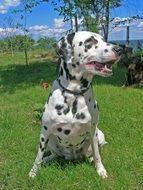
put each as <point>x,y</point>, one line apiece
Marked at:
<point>66,110</point>
<point>69,120</point>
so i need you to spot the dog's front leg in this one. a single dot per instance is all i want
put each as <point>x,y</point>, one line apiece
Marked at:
<point>96,157</point>
<point>44,138</point>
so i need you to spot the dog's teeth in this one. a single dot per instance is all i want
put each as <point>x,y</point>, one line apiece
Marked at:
<point>108,66</point>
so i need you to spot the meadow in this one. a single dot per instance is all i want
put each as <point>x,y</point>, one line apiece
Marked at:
<point>21,102</point>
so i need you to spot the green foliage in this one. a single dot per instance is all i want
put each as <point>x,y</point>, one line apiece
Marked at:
<point>89,23</point>
<point>114,3</point>
<point>46,43</point>
<point>139,53</point>
<point>18,43</point>
<point>28,5</point>
<point>84,9</point>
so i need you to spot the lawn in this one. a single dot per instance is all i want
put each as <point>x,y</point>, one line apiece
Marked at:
<point>21,102</point>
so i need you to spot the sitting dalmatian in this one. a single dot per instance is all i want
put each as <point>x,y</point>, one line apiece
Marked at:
<point>70,117</point>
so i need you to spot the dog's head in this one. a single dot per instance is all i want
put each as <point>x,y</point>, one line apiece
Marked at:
<point>89,52</point>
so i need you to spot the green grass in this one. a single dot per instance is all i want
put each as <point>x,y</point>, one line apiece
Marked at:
<point>22,98</point>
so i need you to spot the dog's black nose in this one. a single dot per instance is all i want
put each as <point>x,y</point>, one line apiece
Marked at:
<point>118,50</point>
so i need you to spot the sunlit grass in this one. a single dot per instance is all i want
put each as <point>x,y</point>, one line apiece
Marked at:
<point>121,120</point>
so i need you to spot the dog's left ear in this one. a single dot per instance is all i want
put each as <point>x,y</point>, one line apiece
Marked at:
<point>64,47</point>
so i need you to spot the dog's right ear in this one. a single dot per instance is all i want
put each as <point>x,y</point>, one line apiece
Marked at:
<point>64,47</point>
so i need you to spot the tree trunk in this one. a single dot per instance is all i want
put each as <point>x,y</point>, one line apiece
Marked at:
<point>11,47</point>
<point>106,26</point>
<point>26,56</point>
<point>76,22</point>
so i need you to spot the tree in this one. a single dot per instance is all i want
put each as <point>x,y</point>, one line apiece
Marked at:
<point>107,5</point>
<point>93,12</point>
<point>46,43</point>
<point>9,31</point>
<point>18,41</point>
<point>28,5</point>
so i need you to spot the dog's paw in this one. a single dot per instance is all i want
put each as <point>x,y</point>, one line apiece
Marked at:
<point>102,172</point>
<point>32,174</point>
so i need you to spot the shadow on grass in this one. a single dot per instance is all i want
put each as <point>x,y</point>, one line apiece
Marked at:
<point>21,76</point>
<point>63,163</point>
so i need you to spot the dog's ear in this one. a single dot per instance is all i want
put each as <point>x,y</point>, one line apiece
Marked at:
<point>64,47</point>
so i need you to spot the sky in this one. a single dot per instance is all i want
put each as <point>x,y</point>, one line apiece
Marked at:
<point>44,20</point>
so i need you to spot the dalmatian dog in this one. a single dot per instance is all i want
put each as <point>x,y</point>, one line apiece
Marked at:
<point>70,116</point>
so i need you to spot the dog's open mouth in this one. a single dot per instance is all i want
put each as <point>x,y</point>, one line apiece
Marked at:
<point>105,68</point>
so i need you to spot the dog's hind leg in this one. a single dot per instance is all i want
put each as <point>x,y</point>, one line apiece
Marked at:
<point>96,156</point>
<point>44,138</point>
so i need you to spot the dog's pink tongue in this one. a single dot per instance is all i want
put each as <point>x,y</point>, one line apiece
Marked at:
<point>90,65</point>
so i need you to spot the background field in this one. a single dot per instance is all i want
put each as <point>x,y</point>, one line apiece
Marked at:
<point>21,102</point>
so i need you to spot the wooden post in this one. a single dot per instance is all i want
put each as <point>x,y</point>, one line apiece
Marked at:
<point>128,36</point>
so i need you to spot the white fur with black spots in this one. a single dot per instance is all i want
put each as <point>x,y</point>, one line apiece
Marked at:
<point>70,115</point>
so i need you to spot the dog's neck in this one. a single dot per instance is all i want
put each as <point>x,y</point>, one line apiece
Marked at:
<point>73,78</point>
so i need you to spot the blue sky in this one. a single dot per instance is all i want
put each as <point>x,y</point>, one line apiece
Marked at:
<point>44,21</point>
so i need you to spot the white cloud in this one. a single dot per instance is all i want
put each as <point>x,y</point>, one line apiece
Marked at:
<point>45,31</point>
<point>35,31</point>
<point>140,24</point>
<point>58,23</point>
<point>7,32</point>
<point>126,21</point>
<point>6,4</point>
<point>38,28</point>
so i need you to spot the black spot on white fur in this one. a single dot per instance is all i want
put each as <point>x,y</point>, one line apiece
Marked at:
<point>59,129</point>
<point>59,107</point>
<point>61,71</point>
<point>45,127</point>
<point>70,38</point>
<point>41,147</point>
<point>42,139</point>
<point>106,50</point>
<point>74,108</point>
<point>74,65</point>
<point>67,131</point>
<point>80,116</point>
<point>66,111</point>
<point>84,82</point>
<point>59,139</point>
